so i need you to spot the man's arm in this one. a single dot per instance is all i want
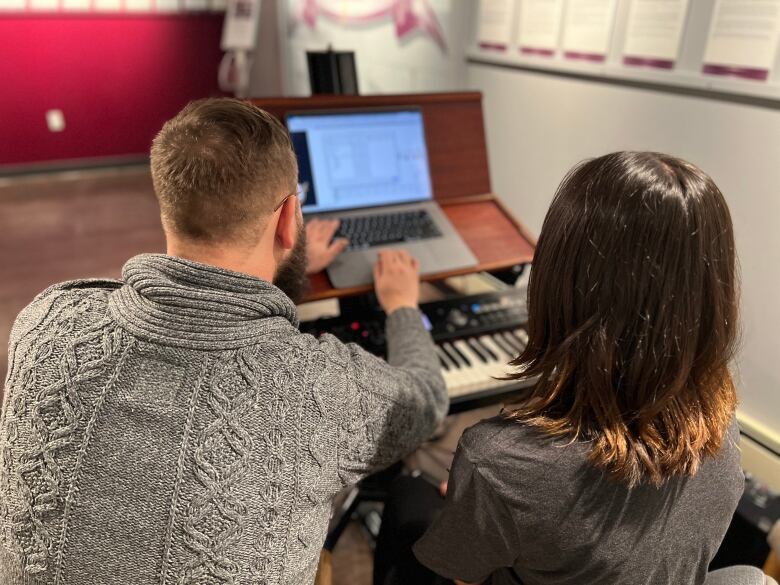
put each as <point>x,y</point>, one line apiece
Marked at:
<point>390,407</point>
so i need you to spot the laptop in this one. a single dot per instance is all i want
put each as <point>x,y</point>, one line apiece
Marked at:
<point>369,169</point>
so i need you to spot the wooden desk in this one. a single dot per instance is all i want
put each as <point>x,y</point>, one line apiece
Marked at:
<point>457,152</point>
<point>495,236</point>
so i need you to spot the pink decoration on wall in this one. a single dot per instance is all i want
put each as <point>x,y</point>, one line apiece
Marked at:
<point>408,15</point>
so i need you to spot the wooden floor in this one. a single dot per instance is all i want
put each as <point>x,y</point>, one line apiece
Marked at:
<point>70,225</point>
<point>87,224</point>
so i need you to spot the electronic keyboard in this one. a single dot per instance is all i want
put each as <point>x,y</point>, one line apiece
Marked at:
<point>476,337</point>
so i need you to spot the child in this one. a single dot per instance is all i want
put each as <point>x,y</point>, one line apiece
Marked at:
<point>620,464</point>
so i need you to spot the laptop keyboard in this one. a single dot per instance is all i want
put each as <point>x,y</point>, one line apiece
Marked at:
<point>365,231</point>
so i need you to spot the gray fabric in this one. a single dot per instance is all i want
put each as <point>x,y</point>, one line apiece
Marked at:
<point>176,427</point>
<point>523,506</point>
<point>739,575</point>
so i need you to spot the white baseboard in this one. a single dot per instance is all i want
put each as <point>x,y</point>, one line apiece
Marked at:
<point>760,452</point>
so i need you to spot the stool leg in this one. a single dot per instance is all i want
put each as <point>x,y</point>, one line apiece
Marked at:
<point>343,516</point>
<point>325,569</point>
<point>772,566</point>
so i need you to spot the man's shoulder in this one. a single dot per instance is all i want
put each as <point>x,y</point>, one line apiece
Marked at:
<point>61,300</point>
<point>317,354</point>
<point>85,289</point>
<point>79,288</point>
<point>329,348</point>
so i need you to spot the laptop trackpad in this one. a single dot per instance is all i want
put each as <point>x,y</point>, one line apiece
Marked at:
<point>355,268</point>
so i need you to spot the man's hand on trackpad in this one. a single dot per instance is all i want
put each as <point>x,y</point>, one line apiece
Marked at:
<point>321,248</point>
<point>396,280</point>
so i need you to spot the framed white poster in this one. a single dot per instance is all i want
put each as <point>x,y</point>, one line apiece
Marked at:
<point>654,33</point>
<point>587,29</point>
<point>743,39</point>
<point>539,26</point>
<point>495,24</point>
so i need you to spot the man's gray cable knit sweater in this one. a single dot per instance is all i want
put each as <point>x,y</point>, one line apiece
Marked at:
<point>176,427</point>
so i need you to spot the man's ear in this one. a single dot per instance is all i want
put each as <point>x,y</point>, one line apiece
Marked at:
<point>287,227</point>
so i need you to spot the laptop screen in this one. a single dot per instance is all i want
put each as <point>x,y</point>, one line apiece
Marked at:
<point>362,158</point>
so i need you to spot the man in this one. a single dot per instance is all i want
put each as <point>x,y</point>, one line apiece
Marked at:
<point>175,426</point>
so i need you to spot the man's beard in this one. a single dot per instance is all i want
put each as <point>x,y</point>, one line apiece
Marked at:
<point>291,274</point>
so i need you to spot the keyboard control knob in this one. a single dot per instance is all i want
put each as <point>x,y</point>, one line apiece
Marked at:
<point>457,318</point>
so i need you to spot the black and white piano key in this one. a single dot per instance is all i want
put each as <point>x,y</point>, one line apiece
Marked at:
<point>472,364</point>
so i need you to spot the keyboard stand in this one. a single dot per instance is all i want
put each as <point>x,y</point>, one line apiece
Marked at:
<point>371,489</point>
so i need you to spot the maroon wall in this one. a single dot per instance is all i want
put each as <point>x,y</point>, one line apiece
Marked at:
<point>116,78</point>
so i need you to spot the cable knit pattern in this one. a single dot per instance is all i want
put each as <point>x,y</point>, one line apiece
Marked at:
<point>216,514</point>
<point>67,340</point>
<point>175,427</point>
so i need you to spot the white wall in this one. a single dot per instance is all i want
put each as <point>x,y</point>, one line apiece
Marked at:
<point>539,125</point>
<point>384,63</point>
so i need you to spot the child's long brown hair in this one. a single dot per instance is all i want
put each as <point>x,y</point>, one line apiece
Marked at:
<point>633,317</point>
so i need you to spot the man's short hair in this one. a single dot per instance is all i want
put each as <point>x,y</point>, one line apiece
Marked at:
<point>219,167</point>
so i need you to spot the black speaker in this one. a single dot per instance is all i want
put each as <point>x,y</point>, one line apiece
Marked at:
<point>332,72</point>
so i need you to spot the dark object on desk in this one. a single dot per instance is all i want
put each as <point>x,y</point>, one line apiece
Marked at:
<point>332,72</point>
<point>476,336</point>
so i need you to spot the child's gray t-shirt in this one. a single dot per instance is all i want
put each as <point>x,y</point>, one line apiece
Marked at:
<point>525,508</point>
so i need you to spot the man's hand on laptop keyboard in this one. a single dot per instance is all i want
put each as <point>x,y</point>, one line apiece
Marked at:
<point>321,248</point>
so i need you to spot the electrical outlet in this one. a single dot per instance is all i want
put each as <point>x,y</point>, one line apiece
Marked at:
<point>55,120</point>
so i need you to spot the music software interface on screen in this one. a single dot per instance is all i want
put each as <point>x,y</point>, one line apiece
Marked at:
<point>360,159</point>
